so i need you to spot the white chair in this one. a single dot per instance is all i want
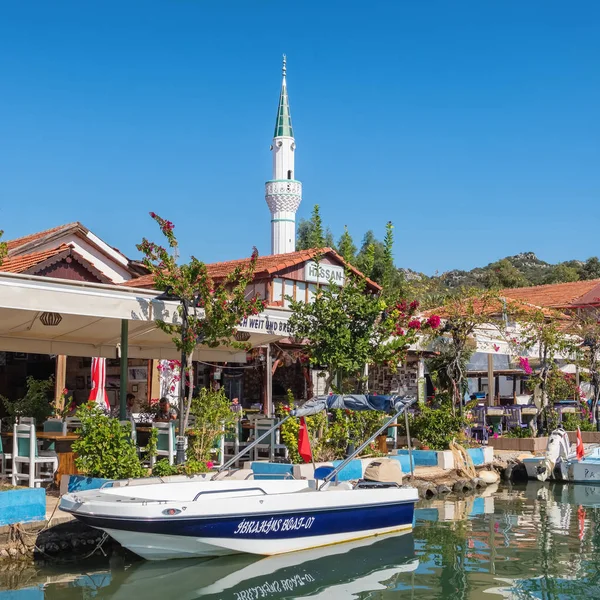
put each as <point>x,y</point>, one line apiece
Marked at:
<point>26,420</point>
<point>25,451</point>
<point>73,423</point>
<point>5,472</point>
<point>271,444</point>
<point>166,441</point>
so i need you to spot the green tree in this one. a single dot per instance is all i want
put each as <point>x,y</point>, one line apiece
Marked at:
<point>348,327</point>
<point>503,274</point>
<point>312,234</point>
<point>586,326</point>
<point>346,248</point>
<point>543,334</point>
<point>562,274</point>
<point>464,314</point>
<point>214,308</point>
<point>591,268</point>
<point>3,248</point>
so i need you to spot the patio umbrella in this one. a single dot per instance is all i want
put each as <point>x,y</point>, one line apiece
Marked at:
<point>98,393</point>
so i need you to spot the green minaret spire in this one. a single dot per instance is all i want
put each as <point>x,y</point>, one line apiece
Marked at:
<point>283,124</point>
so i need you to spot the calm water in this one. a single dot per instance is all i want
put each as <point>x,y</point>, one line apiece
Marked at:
<point>531,541</point>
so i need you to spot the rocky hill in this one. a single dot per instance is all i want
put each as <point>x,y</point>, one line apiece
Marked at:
<point>513,271</point>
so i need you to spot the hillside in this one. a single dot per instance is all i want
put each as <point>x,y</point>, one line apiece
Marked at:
<point>513,271</point>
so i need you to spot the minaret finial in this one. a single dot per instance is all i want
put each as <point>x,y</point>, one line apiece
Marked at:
<point>283,70</point>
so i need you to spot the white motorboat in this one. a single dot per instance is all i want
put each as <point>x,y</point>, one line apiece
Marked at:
<point>215,518</point>
<point>587,469</point>
<point>554,463</point>
<point>559,462</point>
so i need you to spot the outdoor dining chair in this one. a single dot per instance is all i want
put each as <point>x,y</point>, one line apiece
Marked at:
<point>25,452</point>
<point>166,441</point>
<point>5,472</point>
<point>271,443</point>
<point>73,423</point>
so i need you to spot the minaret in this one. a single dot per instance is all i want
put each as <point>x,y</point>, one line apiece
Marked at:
<point>283,193</point>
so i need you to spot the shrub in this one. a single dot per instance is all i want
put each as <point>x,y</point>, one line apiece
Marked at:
<point>36,403</point>
<point>162,468</point>
<point>329,437</point>
<point>105,447</point>
<point>212,416</point>
<point>436,428</point>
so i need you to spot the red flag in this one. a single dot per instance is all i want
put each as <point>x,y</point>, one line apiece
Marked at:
<point>304,442</point>
<point>580,449</point>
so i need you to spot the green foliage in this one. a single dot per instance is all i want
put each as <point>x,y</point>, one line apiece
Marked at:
<point>3,248</point>
<point>162,468</point>
<point>518,432</point>
<point>36,403</point>
<point>562,274</point>
<point>213,309</point>
<point>212,416</point>
<point>311,233</point>
<point>105,447</point>
<point>349,327</point>
<point>329,435</point>
<point>437,427</point>
<point>591,268</point>
<point>346,248</point>
<point>503,274</point>
<point>572,421</point>
<point>464,313</point>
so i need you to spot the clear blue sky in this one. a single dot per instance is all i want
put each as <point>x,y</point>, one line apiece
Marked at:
<point>473,126</point>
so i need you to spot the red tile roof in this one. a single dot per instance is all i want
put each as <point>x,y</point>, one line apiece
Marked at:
<point>265,266</point>
<point>34,237</point>
<point>24,262</point>
<point>556,295</point>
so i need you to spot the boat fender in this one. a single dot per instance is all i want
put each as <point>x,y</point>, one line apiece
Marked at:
<point>489,477</point>
<point>462,486</point>
<point>443,490</point>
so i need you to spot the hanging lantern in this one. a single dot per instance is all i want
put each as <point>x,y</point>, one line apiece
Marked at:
<point>242,336</point>
<point>50,319</point>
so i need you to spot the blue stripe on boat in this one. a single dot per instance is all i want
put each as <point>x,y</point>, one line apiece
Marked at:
<point>269,526</point>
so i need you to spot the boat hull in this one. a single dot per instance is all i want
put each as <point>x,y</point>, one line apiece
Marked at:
<point>266,534</point>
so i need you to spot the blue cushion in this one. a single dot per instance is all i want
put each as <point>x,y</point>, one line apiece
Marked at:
<point>353,470</point>
<point>421,458</point>
<point>264,470</point>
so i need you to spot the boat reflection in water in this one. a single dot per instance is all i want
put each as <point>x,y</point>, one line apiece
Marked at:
<point>340,571</point>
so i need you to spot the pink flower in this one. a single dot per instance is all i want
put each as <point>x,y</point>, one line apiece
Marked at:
<point>433,321</point>
<point>524,364</point>
<point>153,215</point>
<point>496,347</point>
<point>415,324</point>
<point>65,392</point>
<point>414,305</point>
<point>210,464</point>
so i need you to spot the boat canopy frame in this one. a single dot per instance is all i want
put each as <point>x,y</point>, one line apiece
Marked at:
<point>395,403</point>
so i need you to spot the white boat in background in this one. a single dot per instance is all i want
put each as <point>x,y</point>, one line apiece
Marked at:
<point>586,469</point>
<point>215,518</point>
<point>560,463</point>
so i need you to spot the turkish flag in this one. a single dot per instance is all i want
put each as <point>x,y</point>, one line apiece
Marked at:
<point>304,442</point>
<point>580,449</point>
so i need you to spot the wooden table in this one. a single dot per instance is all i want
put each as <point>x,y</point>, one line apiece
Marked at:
<point>66,456</point>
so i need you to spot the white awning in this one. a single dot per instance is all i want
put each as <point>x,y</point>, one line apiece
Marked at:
<point>91,320</point>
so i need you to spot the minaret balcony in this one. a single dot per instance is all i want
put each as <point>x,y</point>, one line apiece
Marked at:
<point>283,194</point>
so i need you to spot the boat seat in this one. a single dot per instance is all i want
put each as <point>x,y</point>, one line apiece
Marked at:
<point>336,487</point>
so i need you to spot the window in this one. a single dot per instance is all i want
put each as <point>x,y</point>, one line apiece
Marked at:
<point>289,174</point>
